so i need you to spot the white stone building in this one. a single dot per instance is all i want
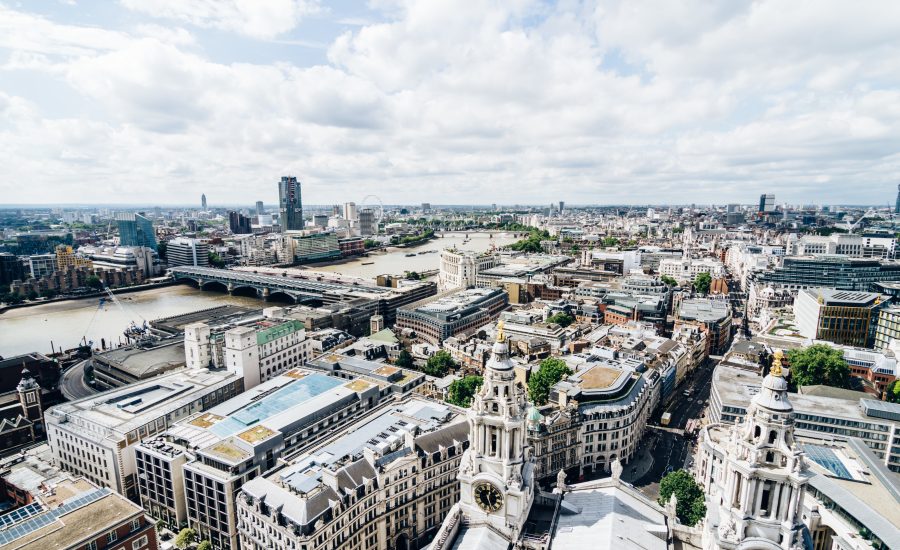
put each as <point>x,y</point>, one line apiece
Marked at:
<point>460,268</point>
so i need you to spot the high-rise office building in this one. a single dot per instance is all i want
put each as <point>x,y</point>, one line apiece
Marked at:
<point>290,203</point>
<point>11,269</point>
<point>320,220</point>
<point>183,251</point>
<point>897,206</point>
<point>203,200</point>
<point>238,223</point>
<point>350,211</point>
<point>136,230</point>
<point>260,209</point>
<point>367,222</point>
<point>766,204</point>
<point>562,206</point>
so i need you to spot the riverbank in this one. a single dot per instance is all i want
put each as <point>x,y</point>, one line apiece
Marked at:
<point>97,294</point>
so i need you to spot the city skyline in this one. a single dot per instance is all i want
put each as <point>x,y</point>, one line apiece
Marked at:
<point>600,103</point>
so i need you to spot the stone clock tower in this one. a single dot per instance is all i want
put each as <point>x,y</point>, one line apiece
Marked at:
<point>496,474</point>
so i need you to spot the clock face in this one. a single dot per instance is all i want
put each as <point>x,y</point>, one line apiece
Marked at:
<point>488,497</point>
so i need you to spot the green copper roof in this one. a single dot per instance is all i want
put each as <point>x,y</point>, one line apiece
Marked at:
<point>266,335</point>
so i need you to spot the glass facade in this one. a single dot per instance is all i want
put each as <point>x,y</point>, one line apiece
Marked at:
<point>136,230</point>
<point>841,273</point>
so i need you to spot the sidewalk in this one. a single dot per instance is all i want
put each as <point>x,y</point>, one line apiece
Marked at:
<point>643,459</point>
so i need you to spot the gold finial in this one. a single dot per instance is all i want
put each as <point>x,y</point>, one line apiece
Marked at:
<point>500,336</point>
<point>776,363</point>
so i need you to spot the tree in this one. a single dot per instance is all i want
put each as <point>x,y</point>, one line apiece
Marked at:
<point>94,282</point>
<point>691,506</point>
<point>668,280</point>
<point>216,261</point>
<point>551,370</point>
<point>32,295</point>
<point>413,275</point>
<point>404,360</point>
<point>819,364</point>
<point>610,241</point>
<point>461,391</point>
<point>185,537</point>
<point>370,243</point>
<point>439,364</point>
<point>162,249</point>
<point>204,545</point>
<point>892,392</point>
<point>702,282</point>
<point>561,318</point>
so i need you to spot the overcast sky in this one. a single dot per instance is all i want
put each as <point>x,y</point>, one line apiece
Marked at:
<point>158,101</point>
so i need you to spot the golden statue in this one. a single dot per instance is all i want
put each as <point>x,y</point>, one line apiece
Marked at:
<point>776,363</point>
<point>500,336</point>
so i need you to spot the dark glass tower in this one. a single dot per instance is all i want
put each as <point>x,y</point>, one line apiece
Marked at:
<point>136,230</point>
<point>290,203</point>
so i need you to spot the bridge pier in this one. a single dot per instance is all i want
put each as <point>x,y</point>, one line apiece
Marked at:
<point>264,293</point>
<point>230,288</point>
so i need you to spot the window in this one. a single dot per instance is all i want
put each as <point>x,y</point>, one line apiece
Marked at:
<point>112,537</point>
<point>91,545</point>
<point>139,543</point>
<point>135,524</point>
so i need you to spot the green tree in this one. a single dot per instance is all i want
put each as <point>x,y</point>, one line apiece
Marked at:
<point>413,275</point>
<point>691,506</point>
<point>610,241</point>
<point>185,537</point>
<point>216,261</point>
<point>819,364</point>
<point>404,360</point>
<point>561,318</point>
<point>668,280</point>
<point>551,370</point>
<point>370,243</point>
<point>892,392</point>
<point>702,282</point>
<point>94,282</point>
<point>162,249</point>
<point>32,295</point>
<point>461,391</point>
<point>204,545</point>
<point>439,364</point>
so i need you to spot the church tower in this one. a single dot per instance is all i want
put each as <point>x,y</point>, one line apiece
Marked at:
<point>754,474</point>
<point>496,474</point>
<point>30,398</point>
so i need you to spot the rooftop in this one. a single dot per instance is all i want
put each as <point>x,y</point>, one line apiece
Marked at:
<point>125,409</point>
<point>833,297</point>
<point>703,310</point>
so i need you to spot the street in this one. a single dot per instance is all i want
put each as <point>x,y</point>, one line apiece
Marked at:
<point>670,450</point>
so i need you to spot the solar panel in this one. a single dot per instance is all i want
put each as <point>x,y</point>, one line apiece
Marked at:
<point>20,514</point>
<point>13,531</point>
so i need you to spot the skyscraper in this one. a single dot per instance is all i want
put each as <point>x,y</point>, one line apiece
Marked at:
<point>897,206</point>
<point>562,206</point>
<point>203,200</point>
<point>239,224</point>
<point>350,211</point>
<point>260,209</point>
<point>136,230</point>
<point>766,204</point>
<point>367,222</point>
<point>291,204</point>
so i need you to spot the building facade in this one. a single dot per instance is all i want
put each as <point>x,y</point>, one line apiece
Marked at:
<point>290,203</point>
<point>136,230</point>
<point>184,251</point>
<point>452,314</point>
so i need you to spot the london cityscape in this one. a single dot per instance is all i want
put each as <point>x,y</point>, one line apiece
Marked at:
<point>309,275</point>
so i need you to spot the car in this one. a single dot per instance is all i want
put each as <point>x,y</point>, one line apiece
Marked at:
<point>687,393</point>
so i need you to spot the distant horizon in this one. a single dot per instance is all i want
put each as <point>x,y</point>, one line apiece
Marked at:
<point>603,102</point>
<point>434,205</point>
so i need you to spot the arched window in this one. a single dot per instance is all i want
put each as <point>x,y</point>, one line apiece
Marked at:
<point>772,435</point>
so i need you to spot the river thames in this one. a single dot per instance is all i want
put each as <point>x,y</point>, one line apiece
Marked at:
<point>65,323</point>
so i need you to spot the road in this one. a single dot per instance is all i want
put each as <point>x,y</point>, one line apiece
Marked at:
<point>672,451</point>
<point>73,385</point>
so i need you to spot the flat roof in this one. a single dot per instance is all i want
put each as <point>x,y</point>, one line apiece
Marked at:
<point>704,310</point>
<point>271,407</point>
<point>144,362</point>
<point>127,408</point>
<point>834,297</point>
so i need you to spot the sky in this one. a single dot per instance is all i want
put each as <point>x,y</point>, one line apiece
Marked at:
<point>449,102</point>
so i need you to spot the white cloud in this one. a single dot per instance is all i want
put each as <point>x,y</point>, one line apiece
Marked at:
<point>470,102</point>
<point>254,18</point>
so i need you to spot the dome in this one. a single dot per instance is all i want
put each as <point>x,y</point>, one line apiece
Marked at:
<point>534,415</point>
<point>773,394</point>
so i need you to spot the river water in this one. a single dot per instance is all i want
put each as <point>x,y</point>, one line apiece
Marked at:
<point>65,323</point>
